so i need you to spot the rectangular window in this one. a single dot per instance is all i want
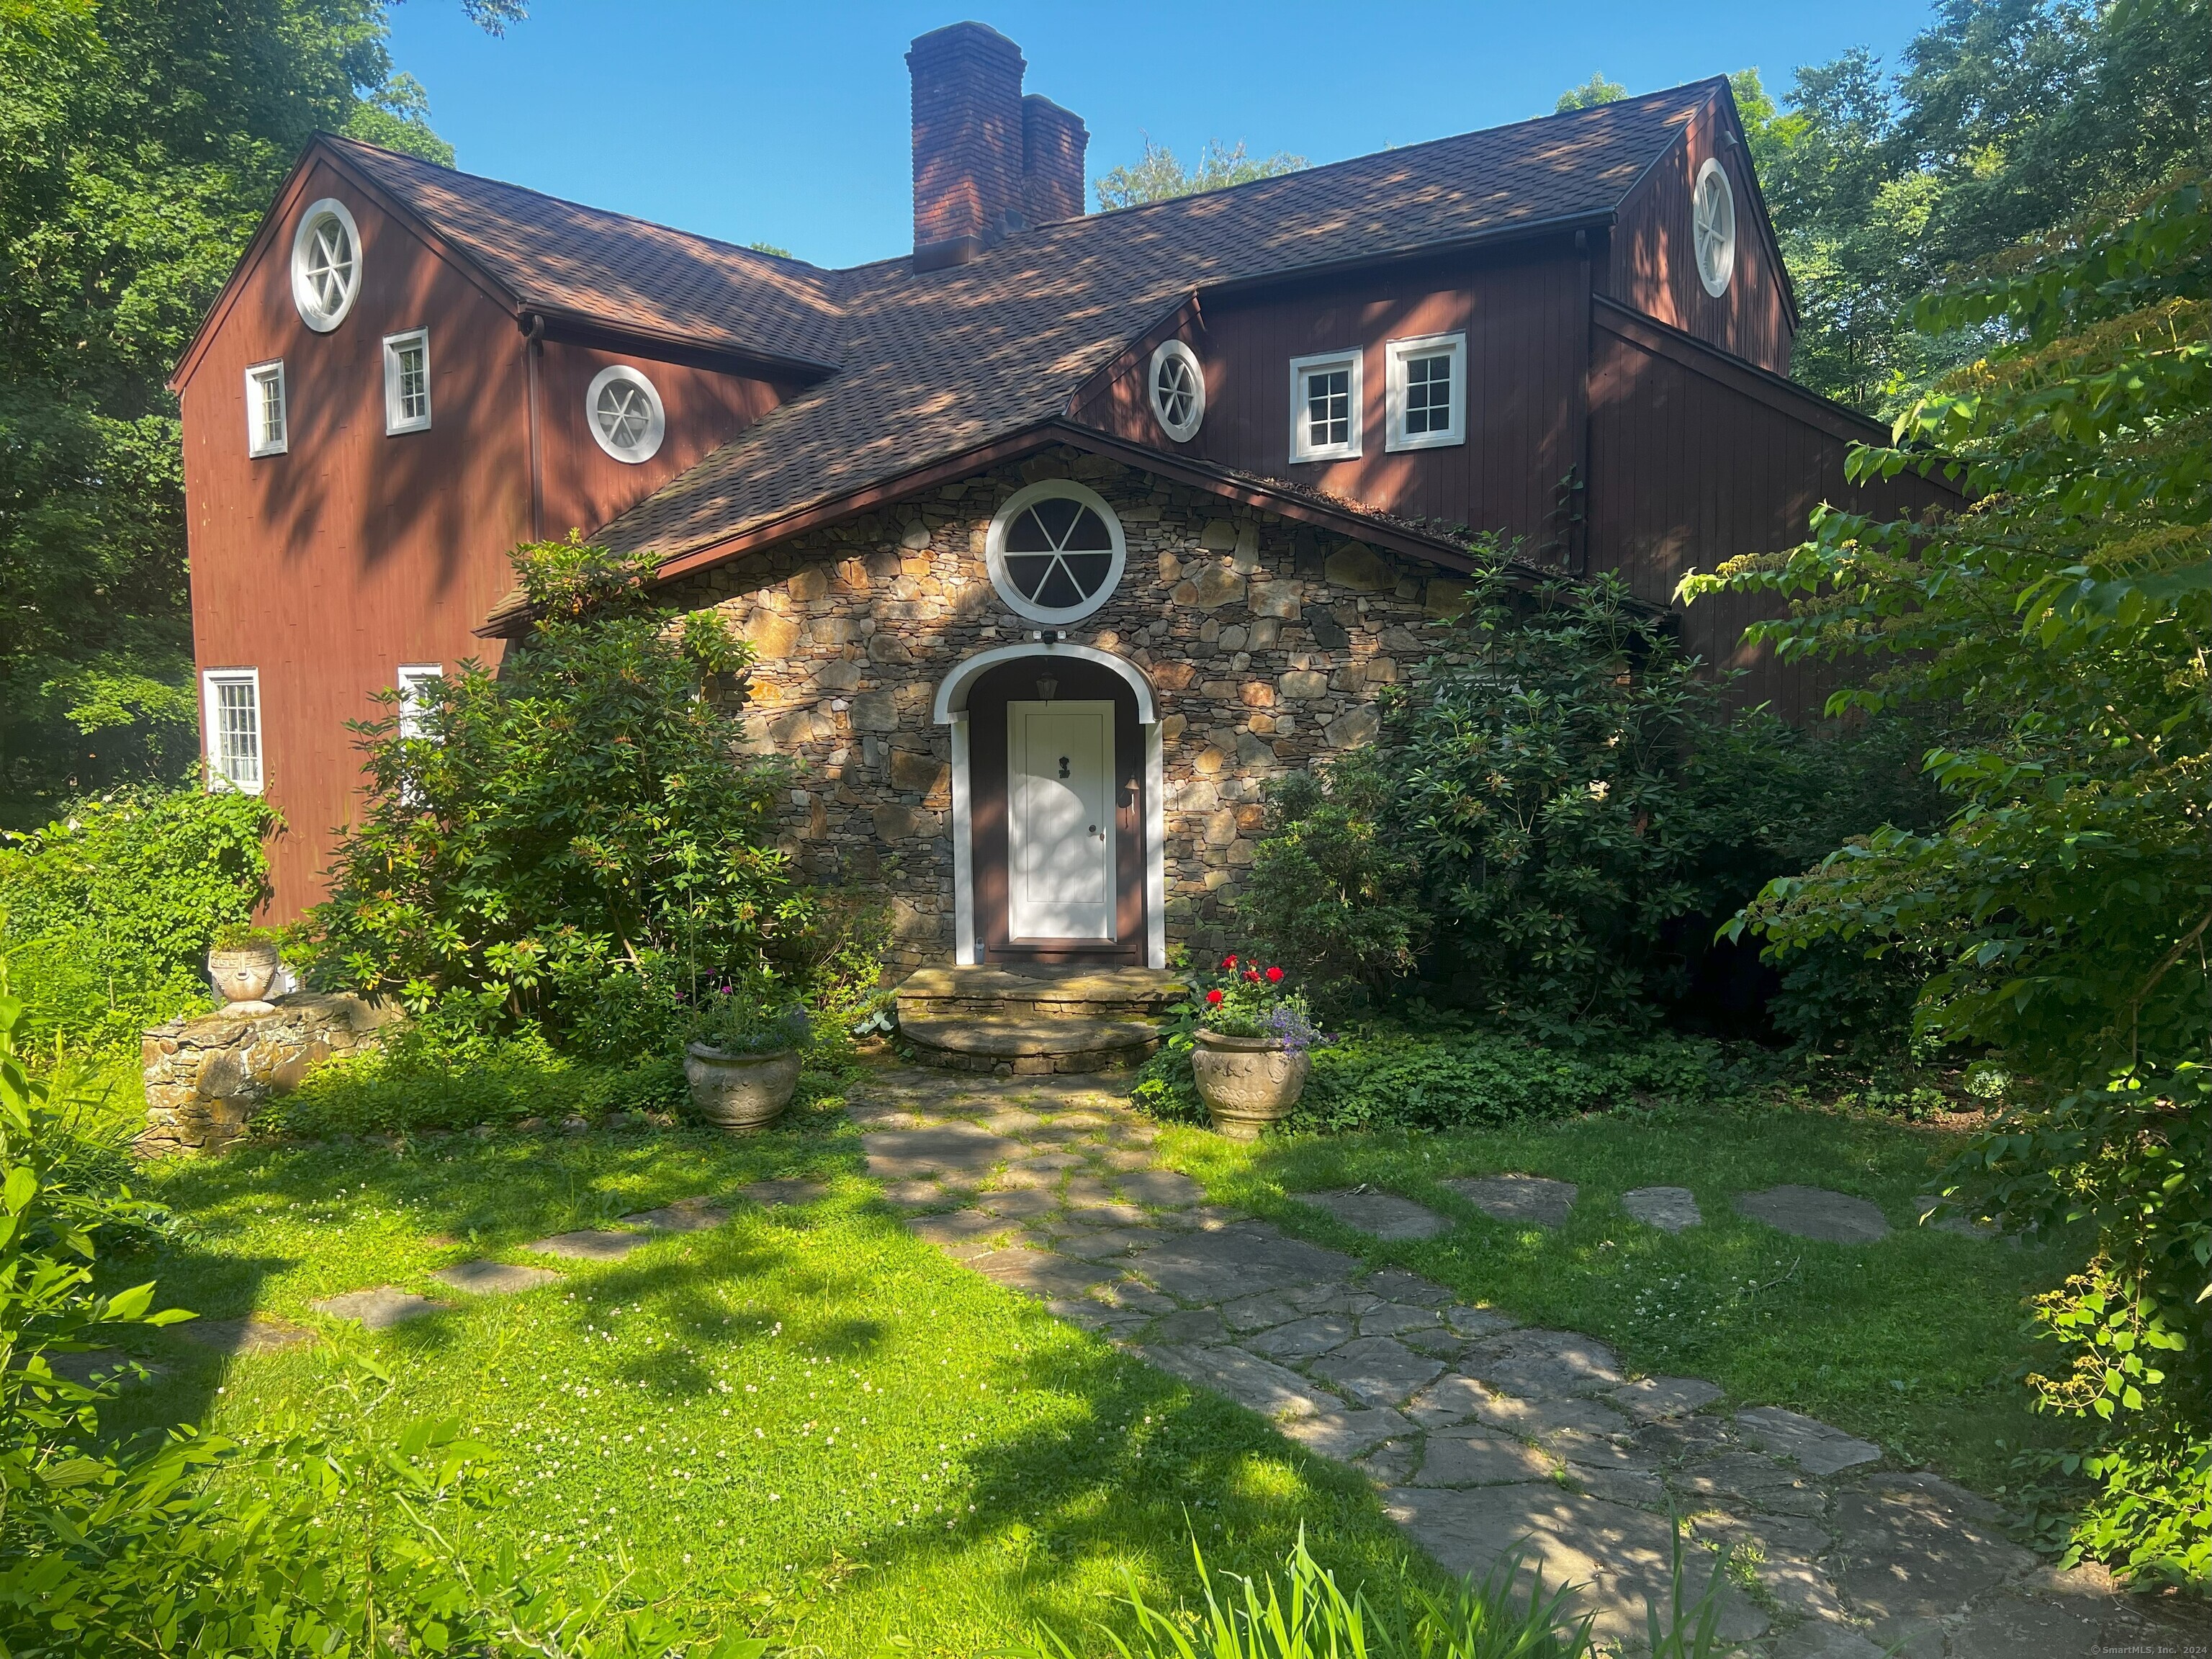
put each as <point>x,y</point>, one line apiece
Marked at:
<point>407,381</point>
<point>418,684</point>
<point>265,431</point>
<point>231,709</point>
<point>1428,391</point>
<point>1325,407</point>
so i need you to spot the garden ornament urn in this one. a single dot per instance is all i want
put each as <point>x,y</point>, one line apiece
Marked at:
<point>1247,1082</point>
<point>242,976</point>
<point>740,1091</point>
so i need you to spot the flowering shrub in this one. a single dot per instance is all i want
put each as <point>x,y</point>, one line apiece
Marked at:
<point>1247,999</point>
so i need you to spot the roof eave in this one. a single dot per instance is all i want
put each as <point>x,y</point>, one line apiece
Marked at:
<point>1528,230</point>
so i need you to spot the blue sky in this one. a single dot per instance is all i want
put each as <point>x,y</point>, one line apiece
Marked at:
<point>787,124</point>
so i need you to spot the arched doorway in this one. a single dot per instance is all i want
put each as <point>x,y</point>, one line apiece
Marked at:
<point>1056,808</point>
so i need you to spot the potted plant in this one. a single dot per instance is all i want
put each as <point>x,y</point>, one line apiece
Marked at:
<point>1253,1047</point>
<point>243,962</point>
<point>743,1057</point>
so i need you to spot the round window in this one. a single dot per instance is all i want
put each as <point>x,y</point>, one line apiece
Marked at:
<point>1178,390</point>
<point>1712,219</point>
<point>325,264</point>
<point>1055,551</point>
<point>625,414</point>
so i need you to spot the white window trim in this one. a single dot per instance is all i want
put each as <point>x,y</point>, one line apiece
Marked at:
<point>646,448</point>
<point>257,442</point>
<point>1182,432</point>
<point>303,296</point>
<point>408,679</point>
<point>995,550</point>
<point>1322,362</point>
<point>1728,264</point>
<point>1398,354</point>
<point>394,421</point>
<point>212,728</point>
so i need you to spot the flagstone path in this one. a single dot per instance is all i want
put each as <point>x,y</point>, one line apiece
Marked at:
<point>1481,1435</point>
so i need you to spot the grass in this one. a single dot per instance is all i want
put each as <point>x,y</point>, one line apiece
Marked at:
<point>806,1421</point>
<point>1914,1342</point>
<point>812,1424</point>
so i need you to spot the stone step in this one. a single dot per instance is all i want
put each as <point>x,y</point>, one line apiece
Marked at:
<point>1039,992</point>
<point>1012,1046</point>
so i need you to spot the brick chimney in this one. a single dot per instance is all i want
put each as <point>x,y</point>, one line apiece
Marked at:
<point>987,161</point>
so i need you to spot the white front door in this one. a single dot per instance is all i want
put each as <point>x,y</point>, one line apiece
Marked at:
<point>1060,822</point>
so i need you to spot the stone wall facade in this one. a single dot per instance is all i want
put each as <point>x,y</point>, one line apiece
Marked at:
<point>1265,643</point>
<point>207,1075</point>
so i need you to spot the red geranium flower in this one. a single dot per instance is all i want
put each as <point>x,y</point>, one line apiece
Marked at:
<point>1274,976</point>
<point>1214,996</point>
<point>1252,974</point>
<point>1228,962</point>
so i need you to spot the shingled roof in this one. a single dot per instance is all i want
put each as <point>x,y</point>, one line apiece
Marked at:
<point>567,259</point>
<point>934,364</point>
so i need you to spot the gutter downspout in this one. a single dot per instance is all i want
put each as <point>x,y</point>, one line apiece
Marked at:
<point>1578,482</point>
<point>533,348</point>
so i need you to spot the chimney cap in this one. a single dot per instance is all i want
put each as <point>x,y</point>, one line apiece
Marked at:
<point>982,34</point>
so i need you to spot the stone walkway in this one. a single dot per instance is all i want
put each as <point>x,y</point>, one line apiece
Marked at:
<point>1479,1434</point>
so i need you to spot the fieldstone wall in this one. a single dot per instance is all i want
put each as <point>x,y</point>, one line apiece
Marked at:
<point>207,1075</point>
<point>1265,641</point>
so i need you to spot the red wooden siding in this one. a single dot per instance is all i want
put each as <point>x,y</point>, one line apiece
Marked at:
<point>1694,460</point>
<point>1652,269</point>
<point>1524,314</point>
<point>330,565</point>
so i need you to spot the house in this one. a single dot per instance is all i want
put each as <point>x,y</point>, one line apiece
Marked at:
<point>1057,536</point>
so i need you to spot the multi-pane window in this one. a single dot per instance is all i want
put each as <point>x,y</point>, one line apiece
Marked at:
<point>1428,391</point>
<point>1055,551</point>
<point>1325,414</point>
<point>407,382</point>
<point>325,264</point>
<point>232,710</point>
<point>265,431</point>
<point>418,690</point>
<point>625,413</point>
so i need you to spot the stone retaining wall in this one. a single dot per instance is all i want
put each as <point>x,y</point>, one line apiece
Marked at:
<point>207,1075</point>
<point>1265,640</point>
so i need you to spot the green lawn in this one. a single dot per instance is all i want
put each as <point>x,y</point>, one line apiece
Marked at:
<point>812,1423</point>
<point>1914,1342</point>
<point>806,1420</point>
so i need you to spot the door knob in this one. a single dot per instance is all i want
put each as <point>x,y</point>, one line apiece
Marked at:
<point>1094,829</point>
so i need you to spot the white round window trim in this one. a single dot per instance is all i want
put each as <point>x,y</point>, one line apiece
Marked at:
<point>325,264</point>
<point>1178,389</point>
<point>625,414</point>
<point>1035,555</point>
<point>1712,220</point>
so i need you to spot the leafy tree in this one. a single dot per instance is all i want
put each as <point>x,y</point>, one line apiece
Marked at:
<point>1159,177</point>
<point>1593,92</point>
<point>577,839</point>
<point>144,142</point>
<point>2008,118</point>
<point>2069,897</point>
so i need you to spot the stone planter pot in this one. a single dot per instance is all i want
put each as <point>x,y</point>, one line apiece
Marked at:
<point>740,1091</point>
<point>243,977</point>
<point>1247,1082</point>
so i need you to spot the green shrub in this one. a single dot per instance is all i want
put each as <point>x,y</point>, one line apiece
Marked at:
<point>1388,1077</point>
<point>754,1017</point>
<point>107,914</point>
<point>577,839</point>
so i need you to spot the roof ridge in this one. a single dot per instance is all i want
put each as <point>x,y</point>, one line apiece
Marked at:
<point>585,207</point>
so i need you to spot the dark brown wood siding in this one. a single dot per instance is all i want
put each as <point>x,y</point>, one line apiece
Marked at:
<point>1695,459</point>
<point>1525,315</point>
<point>1651,268</point>
<point>329,566</point>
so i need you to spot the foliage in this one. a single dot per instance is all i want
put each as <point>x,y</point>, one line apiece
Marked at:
<point>2068,895</point>
<point>1388,1077</point>
<point>244,936</point>
<point>577,839</point>
<point>753,1016</point>
<point>144,143</point>
<point>107,914</point>
<point>1304,1614</point>
<point>1330,888</point>
<point>2008,118</point>
<point>1159,177</point>
<point>1592,92</point>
